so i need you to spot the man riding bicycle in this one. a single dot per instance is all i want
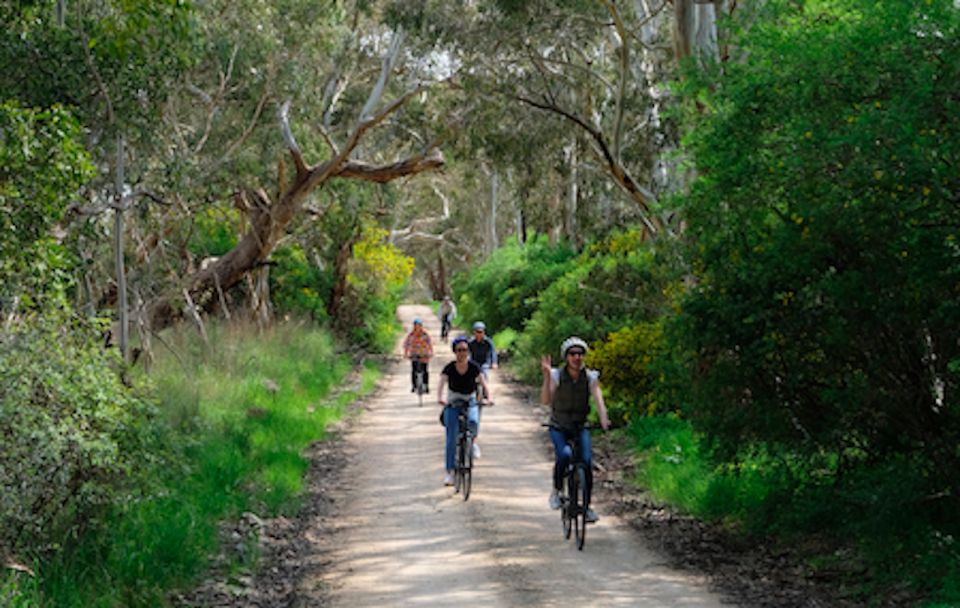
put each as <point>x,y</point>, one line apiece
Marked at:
<point>461,377</point>
<point>418,348</point>
<point>567,391</point>
<point>484,354</point>
<point>447,311</point>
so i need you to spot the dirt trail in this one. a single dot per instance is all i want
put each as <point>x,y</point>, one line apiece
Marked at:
<point>403,539</point>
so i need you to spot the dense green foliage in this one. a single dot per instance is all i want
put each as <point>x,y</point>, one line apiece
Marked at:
<point>824,320</point>
<point>798,344</point>
<point>825,223</point>
<point>378,274</point>
<point>75,438</point>
<point>503,291</point>
<point>42,166</point>
<point>298,285</point>
<point>232,427</point>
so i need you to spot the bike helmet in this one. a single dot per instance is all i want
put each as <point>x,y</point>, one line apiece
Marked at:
<point>458,340</point>
<point>479,325</point>
<point>570,343</point>
<point>417,322</point>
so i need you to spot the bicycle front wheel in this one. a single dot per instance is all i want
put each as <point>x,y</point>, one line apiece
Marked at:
<point>580,525</point>
<point>467,473</point>
<point>567,505</point>
<point>458,467</point>
<point>420,386</point>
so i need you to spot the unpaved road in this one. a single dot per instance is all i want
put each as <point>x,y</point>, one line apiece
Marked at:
<point>403,539</point>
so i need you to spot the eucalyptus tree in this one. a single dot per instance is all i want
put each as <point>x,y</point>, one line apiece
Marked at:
<point>224,107</point>
<point>570,95</point>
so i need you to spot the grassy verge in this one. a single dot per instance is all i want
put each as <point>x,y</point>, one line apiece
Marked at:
<point>235,418</point>
<point>858,525</point>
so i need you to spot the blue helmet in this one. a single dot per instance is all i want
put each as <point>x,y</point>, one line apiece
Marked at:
<point>417,322</point>
<point>458,340</point>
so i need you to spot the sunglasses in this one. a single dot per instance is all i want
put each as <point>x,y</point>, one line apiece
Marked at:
<point>575,353</point>
<point>462,350</point>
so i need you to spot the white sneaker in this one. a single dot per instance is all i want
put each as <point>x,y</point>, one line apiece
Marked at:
<point>554,500</point>
<point>475,450</point>
<point>592,517</point>
<point>448,479</point>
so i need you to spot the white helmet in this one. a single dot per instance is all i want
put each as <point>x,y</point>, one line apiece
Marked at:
<point>570,343</point>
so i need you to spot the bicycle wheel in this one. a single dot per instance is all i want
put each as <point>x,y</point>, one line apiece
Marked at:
<point>467,465</point>
<point>567,505</point>
<point>458,466</point>
<point>420,388</point>
<point>580,525</point>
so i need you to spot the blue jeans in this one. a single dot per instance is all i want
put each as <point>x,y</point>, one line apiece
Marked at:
<point>563,455</point>
<point>452,422</point>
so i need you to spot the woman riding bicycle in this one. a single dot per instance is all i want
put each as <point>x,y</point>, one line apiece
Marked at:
<point>567,391</point>
<point>418,348</point>
<point>461,377</point>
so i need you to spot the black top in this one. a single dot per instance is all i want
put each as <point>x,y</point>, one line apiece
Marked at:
<point>482,352</point>
<point>466,383</point>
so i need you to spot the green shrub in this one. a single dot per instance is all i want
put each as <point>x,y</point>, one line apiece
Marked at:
<point>613,284</point>
<point>213,232</point>
<point>75,437</point>
<point>297,286</point>
<point>625,360</point>
<point>826,312</point>
<point>378,274</point>
<point>503,290</point>
<point>42,166</point>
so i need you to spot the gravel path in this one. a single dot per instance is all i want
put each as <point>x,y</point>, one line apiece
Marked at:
<point>400,538</point>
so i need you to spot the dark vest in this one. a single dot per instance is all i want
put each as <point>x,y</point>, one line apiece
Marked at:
<point>571,400</point>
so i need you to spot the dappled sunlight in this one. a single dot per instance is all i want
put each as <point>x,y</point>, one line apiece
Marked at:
<point>403,538</point>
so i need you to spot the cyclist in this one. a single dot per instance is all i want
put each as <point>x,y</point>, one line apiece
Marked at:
<point>461,376</point>
<point>418,348</point>
<point>567,391</point>
<point>483,353</point>
<point>447,312</point>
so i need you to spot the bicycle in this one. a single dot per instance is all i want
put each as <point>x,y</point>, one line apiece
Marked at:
<point>573,494</point>
<point>419,385</point>
<point>444,327</point>
<point>463,456</point>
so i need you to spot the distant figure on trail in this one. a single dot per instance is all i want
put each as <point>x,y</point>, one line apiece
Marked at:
<point>447,311</point>
<point>482,351</point>
<point>567,391</point>
<point>484,354</point>
<point>462,377</point>
<point>418,348</point>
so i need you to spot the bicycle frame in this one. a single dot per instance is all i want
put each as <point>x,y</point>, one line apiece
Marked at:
<point>420,374</point>
<point>573,504</point>
<point>463,473</point>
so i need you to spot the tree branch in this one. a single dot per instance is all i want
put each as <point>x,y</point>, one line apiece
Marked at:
<point>640,195</point>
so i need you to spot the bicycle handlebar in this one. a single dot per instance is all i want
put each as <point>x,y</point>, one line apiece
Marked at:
<point>586,427</point>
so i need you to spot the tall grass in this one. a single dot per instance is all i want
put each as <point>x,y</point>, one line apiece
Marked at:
<point>238,413</point>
